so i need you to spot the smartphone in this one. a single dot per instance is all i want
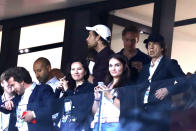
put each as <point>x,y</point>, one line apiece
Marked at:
<point>101,84</point>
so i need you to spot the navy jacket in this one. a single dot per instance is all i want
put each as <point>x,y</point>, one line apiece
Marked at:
<point>40,101</point>
<point>82,100</point>
<point>155,115</point>
<point>167,75</point>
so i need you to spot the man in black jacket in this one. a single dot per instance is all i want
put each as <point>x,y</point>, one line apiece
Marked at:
<point>31,109</point>
<point>157,82</point>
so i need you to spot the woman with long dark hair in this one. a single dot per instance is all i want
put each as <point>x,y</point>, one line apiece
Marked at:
<point>77,98</point>
<point>117,77</point>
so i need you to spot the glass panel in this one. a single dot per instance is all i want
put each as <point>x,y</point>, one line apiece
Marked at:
<point>117,43</point>
<point>27,60</point>
<point>42,34</point>
<point>183,47</point>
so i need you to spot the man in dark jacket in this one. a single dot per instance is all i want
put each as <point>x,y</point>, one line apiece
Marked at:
<point>136,58</point>
<point>31,109</point>
<point>158,81</point>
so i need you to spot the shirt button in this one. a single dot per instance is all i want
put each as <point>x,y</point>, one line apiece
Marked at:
<point>73,107</point>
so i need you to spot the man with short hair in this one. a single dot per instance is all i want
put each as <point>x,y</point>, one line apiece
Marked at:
<point>32,107</point>
<point>42,67</point>
<point>136,58</point>
<point>99,39</point>
<point>157,82</point>
<point>46,75</point>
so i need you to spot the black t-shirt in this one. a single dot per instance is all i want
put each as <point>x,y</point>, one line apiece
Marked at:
<point>101,64</point>
<point>141,57</point>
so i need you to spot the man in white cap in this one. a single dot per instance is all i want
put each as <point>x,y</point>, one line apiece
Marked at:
<point>99,39</point>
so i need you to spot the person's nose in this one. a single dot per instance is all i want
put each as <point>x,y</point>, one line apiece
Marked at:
<point>87,38</point>
<point>37,75</point>
<point>150,46</point>
<point>76,72</point>
<point>112,68</point>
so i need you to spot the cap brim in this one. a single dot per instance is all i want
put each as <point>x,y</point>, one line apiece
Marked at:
<point>89,28</point>
<point>146,41</point>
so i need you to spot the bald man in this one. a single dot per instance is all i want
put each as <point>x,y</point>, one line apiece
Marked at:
<point>42,67</point>
<point>44,75</point>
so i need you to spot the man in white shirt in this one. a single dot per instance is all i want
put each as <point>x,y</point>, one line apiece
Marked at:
<point>32,107</point>
<point>159,80</point>
<point>44,73</point>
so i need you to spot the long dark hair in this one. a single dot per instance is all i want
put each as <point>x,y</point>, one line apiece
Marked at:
<point>71,81</point>
<point>124,78</point>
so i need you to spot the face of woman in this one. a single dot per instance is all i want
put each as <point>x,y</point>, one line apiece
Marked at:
<point>77,71</point>
<point>115,68</point>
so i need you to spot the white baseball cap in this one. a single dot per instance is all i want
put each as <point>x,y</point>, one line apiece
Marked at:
<point>102,30</point>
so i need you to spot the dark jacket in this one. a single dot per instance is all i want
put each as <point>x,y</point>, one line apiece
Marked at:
<point>168,75</point>
<point>40,101</point>
<point>82,100</point>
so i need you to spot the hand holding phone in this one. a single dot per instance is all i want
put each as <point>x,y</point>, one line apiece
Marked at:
<point>25,113</point>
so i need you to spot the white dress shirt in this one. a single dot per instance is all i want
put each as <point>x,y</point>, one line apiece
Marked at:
<point>153,67</point>
<point>22,106</point>
<point>54,83</point>
<point>4,118</point>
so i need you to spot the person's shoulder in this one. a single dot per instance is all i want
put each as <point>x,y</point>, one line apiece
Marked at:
<point>86,83</point>
<point>120,52</point>
<point>107,51</point>
<point>43,87</point>
<point>169,61</point>
<point>126,84</point>
<point>146,58</point>
<point>88,86</point>
<point>140,52</point>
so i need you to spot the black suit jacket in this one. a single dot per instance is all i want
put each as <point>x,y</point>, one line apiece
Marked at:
<point>167,75</point>
<point>155,115</point>
<point>40,101</point>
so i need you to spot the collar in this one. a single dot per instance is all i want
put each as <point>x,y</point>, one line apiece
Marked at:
<point>53,80</point>
<point>31,88</point>
<point>156,62</point>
